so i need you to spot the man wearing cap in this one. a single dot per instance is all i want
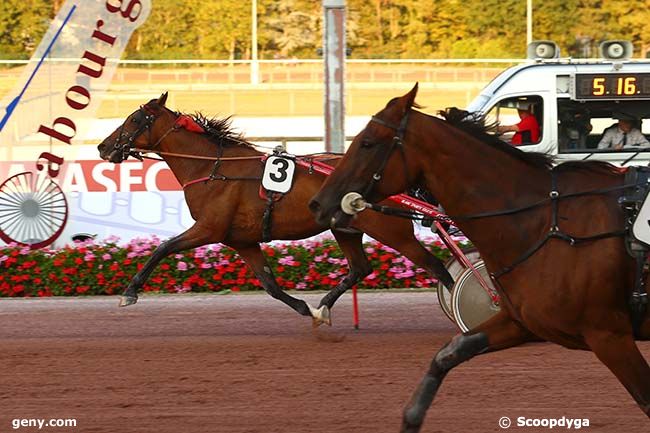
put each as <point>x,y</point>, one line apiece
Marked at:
<point>527,130</point>
<point>623,135</point>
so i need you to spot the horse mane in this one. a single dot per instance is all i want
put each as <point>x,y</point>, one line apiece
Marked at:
<point>220,130</point>
<point>475,125</point>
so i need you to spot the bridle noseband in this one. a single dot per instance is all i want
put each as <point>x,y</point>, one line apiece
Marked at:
<point>396,142</point>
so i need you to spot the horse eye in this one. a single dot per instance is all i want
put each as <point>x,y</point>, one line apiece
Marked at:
<point>366,143</point>
<point>134,120</point>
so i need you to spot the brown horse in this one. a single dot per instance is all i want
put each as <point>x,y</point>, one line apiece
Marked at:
<point>228,209</point>
<point>557,254</point>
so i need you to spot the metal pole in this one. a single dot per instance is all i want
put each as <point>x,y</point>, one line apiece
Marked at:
<point>334,60</point>
<point>255,66</point>
<point>529,21</point>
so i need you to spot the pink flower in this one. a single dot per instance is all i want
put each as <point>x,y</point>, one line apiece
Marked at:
<point>106,257</point>
<point>287,261</point>
<point>406,274</point>
<point>182,266</point>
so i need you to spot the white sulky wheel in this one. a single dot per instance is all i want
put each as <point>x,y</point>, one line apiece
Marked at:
<point>33,210</point>
<point>455,268</point>
<point>470,304</point>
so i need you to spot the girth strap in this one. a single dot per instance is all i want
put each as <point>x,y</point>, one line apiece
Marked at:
<point>267,217</point>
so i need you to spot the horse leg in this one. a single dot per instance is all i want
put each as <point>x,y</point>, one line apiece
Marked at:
<point>194,237</point>
<point>252,255</point>
<point>497,333</point>
<point>352,246</point>
<point>621,355</point>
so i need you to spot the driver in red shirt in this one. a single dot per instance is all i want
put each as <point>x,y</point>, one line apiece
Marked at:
<point>527,130</point>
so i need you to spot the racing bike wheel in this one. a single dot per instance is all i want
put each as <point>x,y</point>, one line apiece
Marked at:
<point>455,268</point>
<point>33,210</point>
<point>470,303</point>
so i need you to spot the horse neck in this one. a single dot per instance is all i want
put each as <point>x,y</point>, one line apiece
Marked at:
<point>469,177</point>
<point>187,143</point>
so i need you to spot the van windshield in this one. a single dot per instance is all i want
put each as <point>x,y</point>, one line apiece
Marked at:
<point>603,126</point>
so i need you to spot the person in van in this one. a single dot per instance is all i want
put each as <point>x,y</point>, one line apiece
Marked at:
<point>574,130</point>
<point>527,130</point>
<point>623,135</point>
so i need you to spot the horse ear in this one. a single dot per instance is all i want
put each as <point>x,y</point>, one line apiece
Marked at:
<point>410,97</point>
<point>163,98</point>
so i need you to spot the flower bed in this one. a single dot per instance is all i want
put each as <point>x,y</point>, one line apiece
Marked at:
<point>106,268</point>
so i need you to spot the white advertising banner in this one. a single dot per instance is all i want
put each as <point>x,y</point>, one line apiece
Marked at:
<point>51,109</point>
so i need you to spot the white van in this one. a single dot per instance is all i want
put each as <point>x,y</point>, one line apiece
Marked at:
<point>574,101</point>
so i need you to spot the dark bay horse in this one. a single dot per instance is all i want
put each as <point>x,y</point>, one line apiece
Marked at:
<point>229,210</point>
<point>553,286</point>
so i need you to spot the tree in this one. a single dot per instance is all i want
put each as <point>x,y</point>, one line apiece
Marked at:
<point>22,25</point>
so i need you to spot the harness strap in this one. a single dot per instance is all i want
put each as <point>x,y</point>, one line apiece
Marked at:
<point>400,131</point>
<point>267,221</point>
<point>639,298</point>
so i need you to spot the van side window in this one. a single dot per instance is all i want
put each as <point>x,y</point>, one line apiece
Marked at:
<point>595,126</point>
<point>519,119</point>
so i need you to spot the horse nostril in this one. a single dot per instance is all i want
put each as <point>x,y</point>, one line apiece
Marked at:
<point>314,206</point>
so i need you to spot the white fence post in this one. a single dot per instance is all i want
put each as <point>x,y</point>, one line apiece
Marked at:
<point>334,56</point>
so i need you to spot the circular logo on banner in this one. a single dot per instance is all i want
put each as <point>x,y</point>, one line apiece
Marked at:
<point>278,174</point>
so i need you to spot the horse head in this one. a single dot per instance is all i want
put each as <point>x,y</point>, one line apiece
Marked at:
<point>375,151</point>
<point>135,132</point>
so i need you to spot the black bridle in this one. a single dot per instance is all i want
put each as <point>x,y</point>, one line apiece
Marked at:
<point>396,142</point>
<point>125,139</point>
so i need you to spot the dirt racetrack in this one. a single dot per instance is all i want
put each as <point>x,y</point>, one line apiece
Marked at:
<point>249,364</point>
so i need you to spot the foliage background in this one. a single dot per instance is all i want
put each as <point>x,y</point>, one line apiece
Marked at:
<point>220,29</point>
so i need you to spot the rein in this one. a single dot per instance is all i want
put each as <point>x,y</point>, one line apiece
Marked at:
<point>190,156</point>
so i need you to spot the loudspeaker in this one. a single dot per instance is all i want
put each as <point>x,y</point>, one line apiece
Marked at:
<point>616,50</point>
<point>543,50</point>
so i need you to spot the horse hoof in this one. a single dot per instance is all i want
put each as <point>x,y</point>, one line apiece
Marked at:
<point>320,316</point>
<point>125,301</point>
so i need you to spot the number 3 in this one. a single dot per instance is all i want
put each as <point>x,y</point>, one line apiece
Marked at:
<point>280,174</point>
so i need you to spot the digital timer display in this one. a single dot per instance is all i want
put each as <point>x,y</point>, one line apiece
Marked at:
<point>612,86</point>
